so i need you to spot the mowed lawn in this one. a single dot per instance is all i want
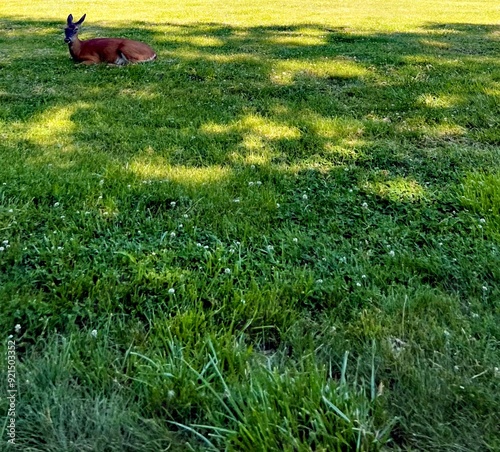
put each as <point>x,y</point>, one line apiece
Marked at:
<point>284,234</point>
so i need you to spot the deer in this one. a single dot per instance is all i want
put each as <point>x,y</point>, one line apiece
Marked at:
<point>115,51</point>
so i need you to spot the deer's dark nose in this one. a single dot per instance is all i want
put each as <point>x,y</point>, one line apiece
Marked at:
<point>67,40</point>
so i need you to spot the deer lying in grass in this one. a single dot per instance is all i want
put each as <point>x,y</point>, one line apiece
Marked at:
<point>104,50</point>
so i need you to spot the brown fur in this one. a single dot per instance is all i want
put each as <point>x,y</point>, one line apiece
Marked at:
<point>109,50</point>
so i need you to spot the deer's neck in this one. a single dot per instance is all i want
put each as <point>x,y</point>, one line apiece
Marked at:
<point>75,47</point>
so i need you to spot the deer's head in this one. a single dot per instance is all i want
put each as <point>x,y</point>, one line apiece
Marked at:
<point>71,30</point>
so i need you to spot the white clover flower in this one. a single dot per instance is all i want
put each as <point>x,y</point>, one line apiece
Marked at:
<point>363,276</point>
<point>93,333</point>
<point>252,166</point>
<point>227,271</point>
<point>364,205</point>
<point>2,248</point>
<point>295,240</point>
<point>319,281</point>
<point>485,289</point>
<point>270,248</point>
<point>482,220</point>
<point>236,200</point>
<point>304,196</point>
<point>171,394</point>
<point>258,182</point>
<point>5,242</point>
<point>56,204</point>
<point>171,291</point>
<point>278,205</point>
<point>243,301</point>
<point>185,215</point>
<point>392,253</point>
<point>250,184</point>
<point>358,284</point>
<point>17,328</point>
<point>173,203</point>
<point>10,210</point>
<point>198,245</point>
<point>172,234</point>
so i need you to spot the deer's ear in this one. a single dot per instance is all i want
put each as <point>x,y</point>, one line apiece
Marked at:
<point>70,19</point>
<point>81,19</point>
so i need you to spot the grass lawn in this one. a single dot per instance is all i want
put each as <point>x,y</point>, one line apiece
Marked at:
<point>284,234</point>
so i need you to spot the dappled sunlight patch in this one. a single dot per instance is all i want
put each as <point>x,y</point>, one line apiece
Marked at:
<point>256,126</point>
<point>436,44</point>
<point>342,152</point>
<point>53,126</point>
<point>203,41</point>
<point>340,69</point>
<point>396,189</point>
<point>256,159</point>
<point>254,149</point>
<point>337,127</point>
<point>216,129</point>
<point>481,193</point>
<point>445,131</point>
<point>267,128</point>
<point>253,142</point>
<point>157,168</point>
<point>439,100</point>
<point>149,93</point>
<point>297,39</point>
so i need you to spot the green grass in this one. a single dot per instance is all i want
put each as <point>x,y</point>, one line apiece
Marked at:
<point>282,234</point>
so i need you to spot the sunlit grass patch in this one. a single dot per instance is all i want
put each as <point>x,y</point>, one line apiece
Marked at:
<point>52,126</point>
<point>397,189</point>
<point>481,193</point>
<point>150,168</point>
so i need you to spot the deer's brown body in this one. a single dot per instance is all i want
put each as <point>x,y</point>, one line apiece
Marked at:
<point>105,50</point>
